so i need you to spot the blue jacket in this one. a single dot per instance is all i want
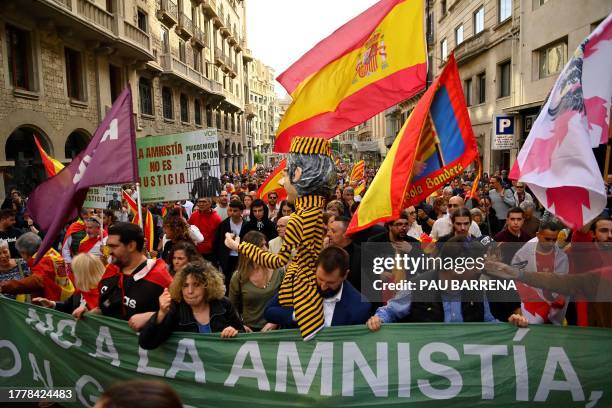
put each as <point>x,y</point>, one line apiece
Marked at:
<point>351,309</point>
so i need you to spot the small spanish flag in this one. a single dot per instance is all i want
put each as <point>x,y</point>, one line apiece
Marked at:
<point>272,183</point>
<point>374,61</point>
<point>245,170</point>
<point>147,226</point>
<point>253,170</point>
<point>52,166</point>
<point>360,188</point>
<point>357,173</point>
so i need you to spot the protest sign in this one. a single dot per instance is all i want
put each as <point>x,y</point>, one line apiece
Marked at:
<point>437,365</point>
<point>98,197</point>
<point>170,166</point>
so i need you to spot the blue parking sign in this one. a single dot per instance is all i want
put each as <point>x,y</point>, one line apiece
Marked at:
<point>504,125</point>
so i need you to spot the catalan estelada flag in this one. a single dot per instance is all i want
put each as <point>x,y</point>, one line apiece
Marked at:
<point>272,183</point>
<point>52,166</point>
<point>357,173</point>
<point>147,225</point>
<point>434,146</point>
<point>374,61</point>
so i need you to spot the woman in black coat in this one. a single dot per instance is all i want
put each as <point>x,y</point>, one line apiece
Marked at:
<point>194,303</point>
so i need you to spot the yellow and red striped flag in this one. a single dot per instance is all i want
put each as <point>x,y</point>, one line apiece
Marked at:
<point>374,61</point>
<point>147,226</point>
<point>253,170</point>
<point>272,183</point>
<point>357,172</point>
<point>434,146</point>
<point>52,166</point>
<point>360,188</point>
<point>245,170</point>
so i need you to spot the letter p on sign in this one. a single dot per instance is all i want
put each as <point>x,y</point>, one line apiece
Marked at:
<point>504,125</point>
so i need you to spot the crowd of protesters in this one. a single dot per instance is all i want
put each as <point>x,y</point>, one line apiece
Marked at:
<point>193,282</point>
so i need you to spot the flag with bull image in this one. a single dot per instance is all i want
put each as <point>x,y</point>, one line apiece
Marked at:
<point>110,158</point>
<point>557,160</point>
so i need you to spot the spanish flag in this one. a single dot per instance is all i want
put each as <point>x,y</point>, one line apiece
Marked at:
<point>272,183</point>
<point>147,226</point>
<point>434,146</point>
<point>245,170</point>
<point>357,173</point>
<point>253,170</point>
<point>374,61</point>
<point>52,166</point>
<point>360,188</point>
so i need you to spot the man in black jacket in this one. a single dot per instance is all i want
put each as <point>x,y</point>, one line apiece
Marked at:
<point>228,259</point>
<point>259,221</point>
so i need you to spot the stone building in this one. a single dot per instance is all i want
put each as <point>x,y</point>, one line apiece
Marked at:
<point>509,54</point>
<point>63,62</point>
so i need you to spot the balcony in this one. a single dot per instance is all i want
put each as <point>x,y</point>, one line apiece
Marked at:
<point>219,60</point>
<point>96,15</point>
<point>210,8</point>
<point>225,32</point>
<point>184,29</point>
<point>250,110</point>
<point>167,12</point>
<point>232,41</point>
<point>67,4</point>
<point>472,47</point>
<point>198,39</point>
<point>137,36</point>
<point>247,56</point>
<point>171,65</point>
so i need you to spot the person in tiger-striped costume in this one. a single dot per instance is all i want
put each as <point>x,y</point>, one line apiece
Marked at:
<point>310,179</point>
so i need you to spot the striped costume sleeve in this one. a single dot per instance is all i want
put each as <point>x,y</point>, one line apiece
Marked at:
<point>268,259</point>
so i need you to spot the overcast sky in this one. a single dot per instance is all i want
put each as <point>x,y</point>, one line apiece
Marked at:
<point>281,31</point>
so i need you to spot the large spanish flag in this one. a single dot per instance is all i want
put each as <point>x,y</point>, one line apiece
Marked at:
<point>374,61</point>
<point>434,146</point>
<point>272,183</point>
<point>52,166</point>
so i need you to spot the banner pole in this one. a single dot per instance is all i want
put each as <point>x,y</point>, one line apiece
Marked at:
<point>139,206</point>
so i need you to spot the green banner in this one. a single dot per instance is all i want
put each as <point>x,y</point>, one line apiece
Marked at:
<point>433,365</point>
<point>169,165</point>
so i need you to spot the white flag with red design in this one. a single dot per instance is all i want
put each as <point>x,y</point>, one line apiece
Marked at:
<point>557,160</point>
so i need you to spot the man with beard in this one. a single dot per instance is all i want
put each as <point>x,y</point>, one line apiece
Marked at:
<point>131,285</point>
<point>342,303</point>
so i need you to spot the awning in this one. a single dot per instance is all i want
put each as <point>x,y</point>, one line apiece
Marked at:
<point>518,108</point>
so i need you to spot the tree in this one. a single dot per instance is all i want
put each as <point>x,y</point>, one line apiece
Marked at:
<point>258,157</point>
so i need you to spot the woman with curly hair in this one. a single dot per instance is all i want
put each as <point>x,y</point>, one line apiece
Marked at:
<point>181,254</point>
<point>194,303</point>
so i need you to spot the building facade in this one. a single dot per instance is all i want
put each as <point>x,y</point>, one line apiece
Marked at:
<point>65,61</point>
<point>365,141</point>
<point>509,54</point>
<point>265,107</point>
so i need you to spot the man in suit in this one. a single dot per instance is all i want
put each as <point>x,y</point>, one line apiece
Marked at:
<point>206,185</point>
<point>342,303</point>
<point>228,259</point>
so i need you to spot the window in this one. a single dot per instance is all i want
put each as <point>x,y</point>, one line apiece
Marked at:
<point>19,58</point>
<point>482,87</point>
<point>504,79</point>
<point>165,40</point>
<point>459,35</point>
<point>443,50</point>
<point>208,117</point>
<point>197,108</point>
<point>109,6</point>
<point>218,120</point>
<point>167,102</point>
<point>468,92</point>
<point>443,7</point>
<point>182,51</point>
<point>479,20</point>
<point>505,9</point>
<point>74,74</point>
<point>142,20</point>
<point>197,60</point>
<point>184,101</point>
<point>145,90</point>
<point>542,2</point>
<point>552,59</point>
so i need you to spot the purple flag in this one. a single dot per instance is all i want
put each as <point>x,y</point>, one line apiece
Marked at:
<point>110,158</point>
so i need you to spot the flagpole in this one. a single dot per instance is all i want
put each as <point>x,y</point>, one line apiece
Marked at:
<point>139,206</point>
